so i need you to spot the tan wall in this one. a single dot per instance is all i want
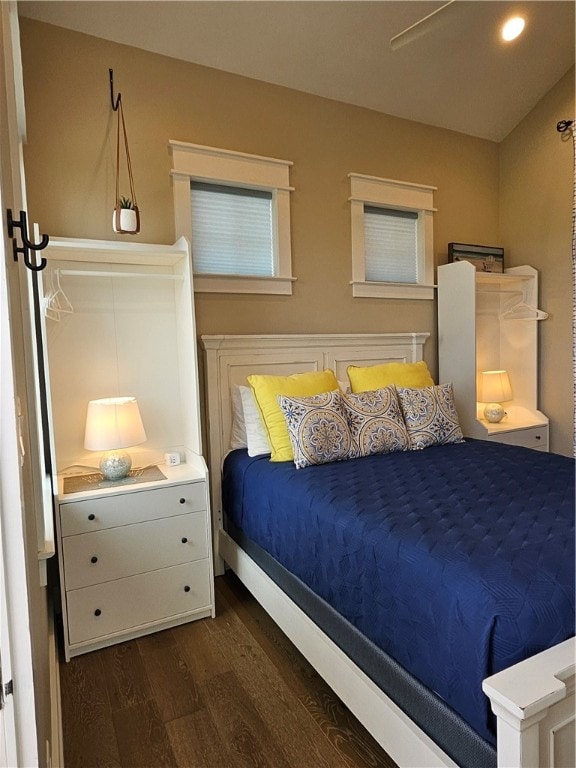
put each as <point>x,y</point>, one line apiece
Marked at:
<point>70,169</point>
<point>536,178</point>
<point>517,194</point>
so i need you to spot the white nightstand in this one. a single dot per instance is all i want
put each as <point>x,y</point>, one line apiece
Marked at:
<point>531,434</point>
<point>479,331</point>
<point>134,558</point>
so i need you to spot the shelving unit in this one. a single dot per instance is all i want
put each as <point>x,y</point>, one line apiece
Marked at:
<point>479,329</point>
<point>134,556</point>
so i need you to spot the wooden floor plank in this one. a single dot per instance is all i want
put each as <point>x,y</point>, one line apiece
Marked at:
<point>196,742</point>
<point>337,723</point>
<point>284,715</point>
<point>88,732</point>
<point>195,643</point>
<point>172,685</point>
<point>240,726</point>
<point>275,701</point>
<point>229,692</point>
<point>125,675</point>
<point>142,738</point>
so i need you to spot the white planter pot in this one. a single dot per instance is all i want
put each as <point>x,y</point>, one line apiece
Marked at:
<point>126,220</point>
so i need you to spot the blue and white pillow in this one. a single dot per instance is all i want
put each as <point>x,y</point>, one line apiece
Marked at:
<point>376,422</point>
<point>430,416</point>
<point>317,428</point>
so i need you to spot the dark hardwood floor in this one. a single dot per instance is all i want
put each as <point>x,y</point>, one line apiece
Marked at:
<point>229,692</point>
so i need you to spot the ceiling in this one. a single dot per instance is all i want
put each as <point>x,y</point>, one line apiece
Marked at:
<point>452,72</point>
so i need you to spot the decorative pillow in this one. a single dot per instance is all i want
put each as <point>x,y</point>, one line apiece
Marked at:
<point>376,423</point>
<point>363,379</point>
<point>317,427</point>
<point>430,416</point>
<point>266,391</point>
<point>238,432</point>
<point>256,438</point>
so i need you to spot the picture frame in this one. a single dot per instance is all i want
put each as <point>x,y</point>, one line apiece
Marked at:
<point>485,258</point>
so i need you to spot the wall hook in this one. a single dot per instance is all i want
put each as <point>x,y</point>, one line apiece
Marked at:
<point>27,245</point>
<point>115,102</point>
<point>563,125</point>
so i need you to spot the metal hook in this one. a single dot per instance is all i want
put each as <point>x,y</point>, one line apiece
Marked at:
<point>27,245</point>
<point>563,125</point>
<point>22,225</point>
<point>115,103</point>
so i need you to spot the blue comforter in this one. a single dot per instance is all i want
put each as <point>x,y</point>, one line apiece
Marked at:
<point>457,560</point>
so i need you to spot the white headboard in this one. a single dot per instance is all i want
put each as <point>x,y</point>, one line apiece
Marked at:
<point>230,359</point>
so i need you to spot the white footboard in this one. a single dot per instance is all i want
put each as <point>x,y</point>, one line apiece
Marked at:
<point>534,704</point>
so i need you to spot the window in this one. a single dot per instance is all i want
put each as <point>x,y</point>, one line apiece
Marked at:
<point>235,210</point>
<point>392,238</point>
<point>231,230</point>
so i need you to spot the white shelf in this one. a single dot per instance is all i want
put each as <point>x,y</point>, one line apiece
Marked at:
<point>474,337</point>
<point>117,252</point>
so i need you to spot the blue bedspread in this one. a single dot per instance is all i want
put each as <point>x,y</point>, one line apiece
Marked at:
<point>457,560</point>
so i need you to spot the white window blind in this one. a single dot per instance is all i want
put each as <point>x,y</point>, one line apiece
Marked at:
<point>231,230</point>
<point>391,245</point>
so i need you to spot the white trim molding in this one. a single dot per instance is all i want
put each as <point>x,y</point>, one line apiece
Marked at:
<point>224,166</point>
<point>400,195</point>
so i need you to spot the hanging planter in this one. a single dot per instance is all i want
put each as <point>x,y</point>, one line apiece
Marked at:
<point>126,217</point>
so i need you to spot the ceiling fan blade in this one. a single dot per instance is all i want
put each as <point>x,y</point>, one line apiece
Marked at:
<point>417,29</point>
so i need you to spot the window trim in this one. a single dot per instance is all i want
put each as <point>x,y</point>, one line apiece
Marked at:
<point>195,162</point>
<point>399,195</point>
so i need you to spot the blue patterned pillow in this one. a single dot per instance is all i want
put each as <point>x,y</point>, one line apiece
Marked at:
<point>376,422</point>
<point>430,416</point>
<point>317,428</point>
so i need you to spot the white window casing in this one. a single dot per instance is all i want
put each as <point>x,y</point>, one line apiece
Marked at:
<point>370,191</point>
<point>193,162</point>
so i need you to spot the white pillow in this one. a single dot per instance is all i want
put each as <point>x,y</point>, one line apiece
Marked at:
<point>238,434</point>
<point>248,429</point>
<point>256,435</point>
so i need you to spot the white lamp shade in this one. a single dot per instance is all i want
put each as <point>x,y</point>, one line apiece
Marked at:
<point>113,422</point>
<point>494,387</point>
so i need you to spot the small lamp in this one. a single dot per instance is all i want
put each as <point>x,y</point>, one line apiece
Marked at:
<point>111,424</point>
<point>494,388</point>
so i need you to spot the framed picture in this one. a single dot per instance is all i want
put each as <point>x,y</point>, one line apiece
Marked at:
<point>486,258</point>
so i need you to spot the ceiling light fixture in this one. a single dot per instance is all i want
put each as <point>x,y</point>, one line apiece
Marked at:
<point>512,28</point>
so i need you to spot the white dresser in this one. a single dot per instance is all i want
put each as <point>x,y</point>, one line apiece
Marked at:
<point>134,559</point>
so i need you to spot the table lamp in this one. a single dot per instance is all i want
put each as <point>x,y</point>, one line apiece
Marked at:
<point>493,389</point>
<point>113,423</point>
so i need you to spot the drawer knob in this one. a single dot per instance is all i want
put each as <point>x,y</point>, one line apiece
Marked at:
<point>182,500</point>
<point>538,437</point>
<point>186,588</point>
<point>97,612</point>
<point>184,540</point>
<point>91,516</point>
<point>93,559</point>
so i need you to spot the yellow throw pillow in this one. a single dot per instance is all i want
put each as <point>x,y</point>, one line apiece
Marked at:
<point>365,379</point>
<point>266,391</point>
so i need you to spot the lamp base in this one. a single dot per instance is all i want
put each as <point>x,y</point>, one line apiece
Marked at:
<point>493,412</point>
<point>115,465</point>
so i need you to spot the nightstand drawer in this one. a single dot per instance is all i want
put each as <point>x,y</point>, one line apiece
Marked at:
<point>102,556</point>
<point>134,507</point>
<point>533,437</point>
<point>127,604</point>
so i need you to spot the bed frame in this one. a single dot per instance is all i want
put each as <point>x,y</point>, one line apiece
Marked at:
<point>534,701</point>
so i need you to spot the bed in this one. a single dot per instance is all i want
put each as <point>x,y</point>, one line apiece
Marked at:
<point>396,675</point>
